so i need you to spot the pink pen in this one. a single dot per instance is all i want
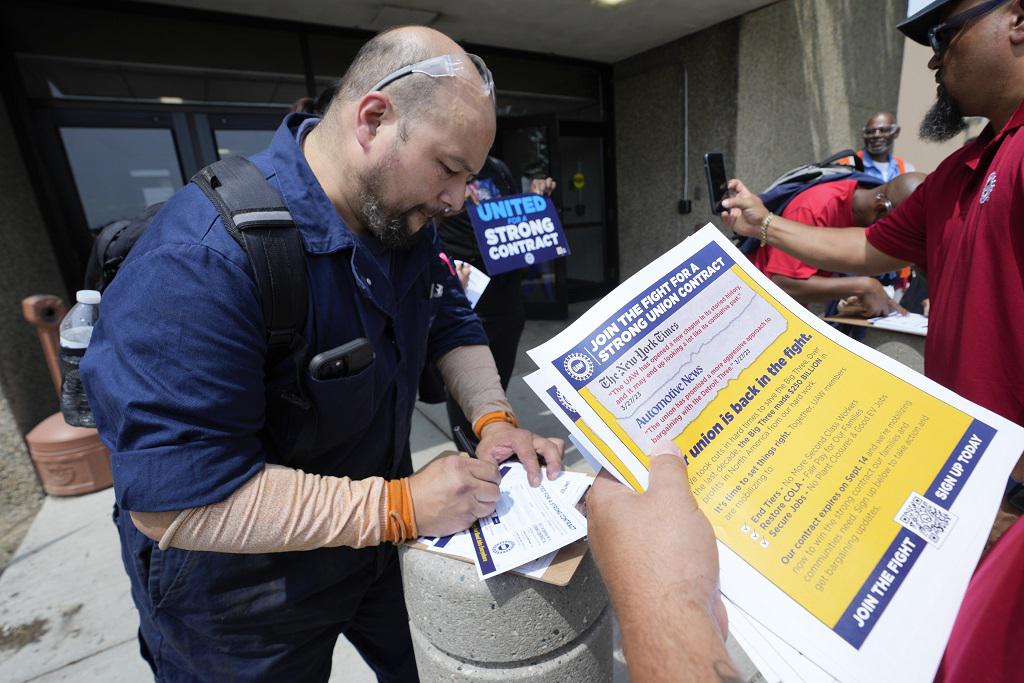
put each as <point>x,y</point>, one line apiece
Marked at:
<point>447,262</point>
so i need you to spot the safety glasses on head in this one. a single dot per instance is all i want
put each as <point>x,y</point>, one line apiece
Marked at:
<point>941,35</point>
<point>461,65</point>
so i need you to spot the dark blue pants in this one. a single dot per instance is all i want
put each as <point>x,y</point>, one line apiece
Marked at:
<point>272,617</point>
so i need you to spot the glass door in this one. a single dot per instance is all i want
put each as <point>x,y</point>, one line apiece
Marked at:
<point>584,210</point>
<point>106,165</point>
<point>118,172</point>
<point>229,134</point>
<point>110,164</point>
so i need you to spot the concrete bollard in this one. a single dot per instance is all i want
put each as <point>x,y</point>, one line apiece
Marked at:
<point>905,348</point>
<point>507,628</point>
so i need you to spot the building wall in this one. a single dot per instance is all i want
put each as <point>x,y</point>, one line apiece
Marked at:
<point>785,85</point>
<point>29,267</point>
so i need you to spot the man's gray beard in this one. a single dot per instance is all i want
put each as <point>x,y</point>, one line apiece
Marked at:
<point>393,232</point>
<point>944,120</point>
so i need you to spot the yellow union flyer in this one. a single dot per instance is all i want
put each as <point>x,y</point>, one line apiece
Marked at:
<point>851,496</point>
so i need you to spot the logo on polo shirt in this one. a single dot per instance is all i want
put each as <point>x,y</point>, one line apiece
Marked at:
<point>990,184</point>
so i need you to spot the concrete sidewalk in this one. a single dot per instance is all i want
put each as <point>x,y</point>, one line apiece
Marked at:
<point>65,609</point>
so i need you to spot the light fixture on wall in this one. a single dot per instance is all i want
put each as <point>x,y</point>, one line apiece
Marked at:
<point>609,3</point>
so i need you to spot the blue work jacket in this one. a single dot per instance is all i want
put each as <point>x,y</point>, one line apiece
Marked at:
<point>175,369</point>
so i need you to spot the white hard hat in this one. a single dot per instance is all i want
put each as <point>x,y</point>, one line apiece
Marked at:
<point>921,16</point>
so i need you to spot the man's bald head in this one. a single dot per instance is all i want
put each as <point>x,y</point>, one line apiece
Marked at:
<point>902,186</point>
<point>871,203</point>
<point>389,51</point>
<point>881,118</point>
<point>397,147</point>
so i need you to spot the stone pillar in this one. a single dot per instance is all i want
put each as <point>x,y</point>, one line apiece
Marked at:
<point>508,628</point>
<point>26,394</point>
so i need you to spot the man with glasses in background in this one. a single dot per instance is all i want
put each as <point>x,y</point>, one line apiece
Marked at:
<point>880,133</point>
<point>243,565</point>
<point>965,226</point>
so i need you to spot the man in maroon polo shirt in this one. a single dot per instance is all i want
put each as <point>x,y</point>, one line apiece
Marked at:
<point>964,226</point>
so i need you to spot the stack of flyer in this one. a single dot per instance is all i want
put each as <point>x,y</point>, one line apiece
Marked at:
<point>529,526</point>
<point>851,497</point>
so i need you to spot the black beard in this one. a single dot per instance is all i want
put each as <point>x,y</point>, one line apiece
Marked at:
<point>390,228</point>
<point>944,120</point>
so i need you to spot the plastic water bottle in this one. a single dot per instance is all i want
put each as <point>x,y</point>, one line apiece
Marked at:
<point>75,333</point>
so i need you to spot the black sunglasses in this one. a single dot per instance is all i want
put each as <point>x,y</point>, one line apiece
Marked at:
<point>941,35</point>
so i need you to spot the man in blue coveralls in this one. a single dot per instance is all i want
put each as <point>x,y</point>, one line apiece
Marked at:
<point>244,566</point>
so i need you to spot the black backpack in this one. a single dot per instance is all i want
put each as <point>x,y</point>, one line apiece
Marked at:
<point>256,217</point>
<point>786,187</point>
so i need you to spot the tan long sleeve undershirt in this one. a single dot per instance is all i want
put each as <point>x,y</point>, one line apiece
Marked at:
<point>283,509</point>
<point>472,380</point>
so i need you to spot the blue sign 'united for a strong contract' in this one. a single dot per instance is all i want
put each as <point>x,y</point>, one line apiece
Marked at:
<point>517,231</point>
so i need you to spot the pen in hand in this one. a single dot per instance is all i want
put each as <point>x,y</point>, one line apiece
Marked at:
<point>463,442</point>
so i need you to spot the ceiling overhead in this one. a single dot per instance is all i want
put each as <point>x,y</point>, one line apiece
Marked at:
<point>584,29</point>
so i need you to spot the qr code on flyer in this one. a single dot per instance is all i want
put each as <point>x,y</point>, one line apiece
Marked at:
<point>926,519</point>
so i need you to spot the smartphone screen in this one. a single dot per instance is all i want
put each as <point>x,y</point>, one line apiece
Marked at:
<point>714,168</point>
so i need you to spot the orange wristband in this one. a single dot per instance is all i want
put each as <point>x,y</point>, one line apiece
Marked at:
<point>400,520</point>
<point>496,416</point>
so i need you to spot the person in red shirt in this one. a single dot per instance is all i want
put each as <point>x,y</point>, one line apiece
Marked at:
<point>836,203</point>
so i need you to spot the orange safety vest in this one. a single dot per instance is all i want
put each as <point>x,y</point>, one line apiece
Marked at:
<point>901,165</point>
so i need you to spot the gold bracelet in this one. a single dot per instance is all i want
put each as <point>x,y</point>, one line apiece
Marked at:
<point>765,224</point>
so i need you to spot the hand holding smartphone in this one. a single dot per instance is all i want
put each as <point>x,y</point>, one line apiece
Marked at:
<point>718,181</point>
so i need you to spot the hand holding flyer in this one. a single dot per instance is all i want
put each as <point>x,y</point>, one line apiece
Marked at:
<point>841,485</point>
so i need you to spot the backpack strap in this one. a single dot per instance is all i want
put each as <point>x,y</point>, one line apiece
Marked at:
<point>256,217</point>
<point>858,161</point>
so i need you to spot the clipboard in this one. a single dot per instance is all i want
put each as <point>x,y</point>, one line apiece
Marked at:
<point>559,573</point>
<point>864,322</point>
